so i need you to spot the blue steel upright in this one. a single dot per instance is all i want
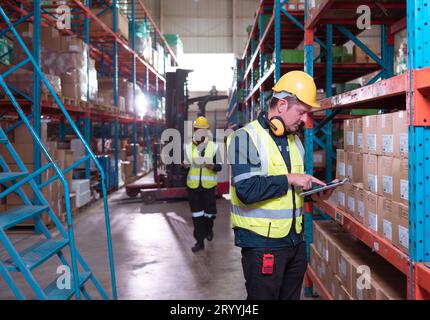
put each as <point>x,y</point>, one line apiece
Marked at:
<point>418,20</point>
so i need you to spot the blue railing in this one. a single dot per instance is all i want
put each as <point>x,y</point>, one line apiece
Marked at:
<point>59,173</point>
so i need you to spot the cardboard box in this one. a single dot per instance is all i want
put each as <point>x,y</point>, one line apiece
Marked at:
<point>385,134</point>
<point>371,216</point>
<point>341,197</point>
<point>401,182</point>
<point>360,200</point>
<point>401,136</point>
<point>340,164</point>
<point>72,44</point>
<point>350,199</point>
<point>388,176</point>
<point>370,174</point>
<point>401,234</point>
<point>354,167</point>
<point>337,282</point>
<point>371,144</point>
<point>314,257</point>
<point>389,212</point>
<point>107,19</point>
<point>385,207</point>
<point>358,135</point>
<point>23,135</point>
<point>359,55</point>
<point>348,134</point>
<point>343,268</point>
<point>319,159</point>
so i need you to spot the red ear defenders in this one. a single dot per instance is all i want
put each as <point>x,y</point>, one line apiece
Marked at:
<point>277,126</point>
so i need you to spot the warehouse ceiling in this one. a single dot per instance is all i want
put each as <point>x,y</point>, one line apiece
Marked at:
<point>205,26</point>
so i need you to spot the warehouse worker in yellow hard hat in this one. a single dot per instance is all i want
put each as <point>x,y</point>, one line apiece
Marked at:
<point>267,175</point>
<point>200,159</point>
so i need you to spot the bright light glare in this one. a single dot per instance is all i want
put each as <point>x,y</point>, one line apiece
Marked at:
<point>213,69</point>
<point>142,104</point>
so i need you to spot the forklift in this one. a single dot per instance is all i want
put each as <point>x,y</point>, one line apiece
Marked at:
<point>170,180</point>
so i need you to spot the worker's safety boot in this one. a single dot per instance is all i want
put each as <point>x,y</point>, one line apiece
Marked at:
<point>198,246</point>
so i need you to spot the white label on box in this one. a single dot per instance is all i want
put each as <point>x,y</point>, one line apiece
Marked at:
<point>350,138</point>
<point>387,143</point>
<point>387,184</point>
<point>349,171</point>
<point>372,183</point>
<point>373,221</point>
<point>341,198</point>
<point>360,209</point>
<point>404,189</point>
<point>388,230</point>
<point>342,169</point>
<point>404,142</point>
<point>326,257</point>
<point>318,158</point>
<point>360,293</point>
<point>404,236</point>
<point>371,142</point>
<point>342,267</point>
<point>73,48</point>
<point>351,204</point>
<point>360,140</point>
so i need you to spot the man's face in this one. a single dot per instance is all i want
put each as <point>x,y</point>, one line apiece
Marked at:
<point>199,135</point>
<point>293,114</point>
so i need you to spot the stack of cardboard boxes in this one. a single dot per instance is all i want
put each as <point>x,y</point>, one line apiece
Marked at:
<point>361,57</point>
<point>63,60</point>
<point>295,5</point>
<point>375,158</point>
<point>53,192</point>
<point>348,270</point>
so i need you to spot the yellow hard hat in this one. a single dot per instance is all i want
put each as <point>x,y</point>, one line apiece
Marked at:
<point>201,123</point>
<point>300,84</point>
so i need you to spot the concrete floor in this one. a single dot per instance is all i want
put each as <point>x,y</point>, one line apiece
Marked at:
<point>152,253</point>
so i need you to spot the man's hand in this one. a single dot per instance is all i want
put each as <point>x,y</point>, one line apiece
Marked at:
<point>324,195</point>
<point>185,165</point>
<point>209,166</point>
<point>303,181</point>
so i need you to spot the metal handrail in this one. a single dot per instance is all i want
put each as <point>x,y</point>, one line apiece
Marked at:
<point>57,169</point>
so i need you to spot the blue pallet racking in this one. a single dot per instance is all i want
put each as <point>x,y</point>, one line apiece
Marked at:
<point>114,57</point>
<point>330,22</point>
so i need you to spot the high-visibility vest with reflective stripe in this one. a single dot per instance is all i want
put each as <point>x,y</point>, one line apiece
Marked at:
<point>276,211</point>
<point>198,172</point>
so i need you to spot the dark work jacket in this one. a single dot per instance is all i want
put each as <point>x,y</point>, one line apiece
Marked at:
<point>258,188</point>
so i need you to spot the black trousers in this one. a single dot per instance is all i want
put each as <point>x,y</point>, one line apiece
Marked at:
<point>287,279</point>
<point>203,208</point>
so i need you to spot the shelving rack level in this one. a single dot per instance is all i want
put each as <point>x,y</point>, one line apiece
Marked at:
<point>410,89</point>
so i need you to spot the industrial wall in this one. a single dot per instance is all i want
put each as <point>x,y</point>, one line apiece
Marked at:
<point>206,26</point>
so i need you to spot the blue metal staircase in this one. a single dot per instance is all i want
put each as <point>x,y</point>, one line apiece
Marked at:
<point>27,260</point>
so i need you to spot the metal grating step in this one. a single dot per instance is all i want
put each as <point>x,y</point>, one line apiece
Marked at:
<point>10,176</point>
<point>37,254</point>
<point>54,293</point>
<point>15,216</point>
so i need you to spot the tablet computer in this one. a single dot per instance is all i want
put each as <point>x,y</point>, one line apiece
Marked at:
<point>322,188</point>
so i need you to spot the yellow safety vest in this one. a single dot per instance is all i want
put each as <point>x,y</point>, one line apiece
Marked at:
<point>277,211</point>
<point>198,172</point>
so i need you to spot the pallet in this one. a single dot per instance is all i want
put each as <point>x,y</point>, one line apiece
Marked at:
<point>69,101</point>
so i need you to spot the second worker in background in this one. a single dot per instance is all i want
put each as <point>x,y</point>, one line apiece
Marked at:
<point>200,158</point>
